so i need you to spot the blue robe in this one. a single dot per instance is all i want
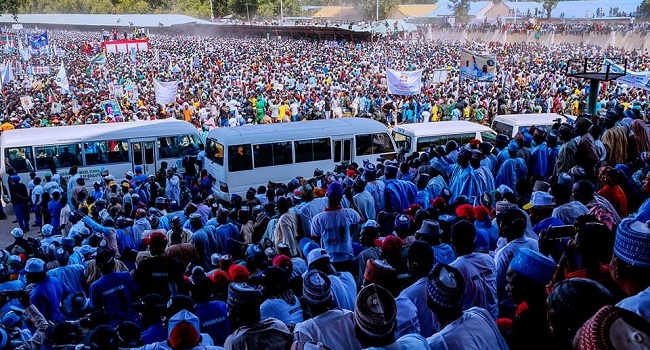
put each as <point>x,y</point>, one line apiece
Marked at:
<point>435,186</point>
<point>485,179</point>
<point>399,195</point>
<point>540,158</point>
<point>464,184</point>
<point>508,173</point>
<point>501,158</point>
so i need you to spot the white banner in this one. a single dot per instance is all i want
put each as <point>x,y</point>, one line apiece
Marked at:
<point>440,75</point>
<point>639,80</point>
<point>17,26</point>
<point>404,82</point>
<point>41,70</point>
<point>165,91</point>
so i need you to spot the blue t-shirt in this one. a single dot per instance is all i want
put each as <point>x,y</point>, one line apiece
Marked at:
<point>54,207</point>
<point>213,318</point>
<point>154,334</point>
<point>333,226</point>
<point>113,293</point>
<point>47,296</point>
<point>443,253</point>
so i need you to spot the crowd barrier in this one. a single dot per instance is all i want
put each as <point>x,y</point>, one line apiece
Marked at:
<point>623,40</point>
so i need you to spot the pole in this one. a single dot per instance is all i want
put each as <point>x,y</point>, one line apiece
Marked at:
<point>248,14</point>
<point>515,20</point>
<point>377,14</point>
<point>211,11</point>
<point>281,11</point>
<point>594,84</point>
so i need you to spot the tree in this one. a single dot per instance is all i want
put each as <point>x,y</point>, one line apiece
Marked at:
<point>369,8</point>
<point>460,9</point>
<point>243,8</point>
<point>271,8</point>
<point>644,9</point>
<point>549,5</point>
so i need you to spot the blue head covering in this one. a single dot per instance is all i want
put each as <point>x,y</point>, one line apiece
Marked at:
<point>632,244</point>
<point>533,265</point>
<point>513,146</point>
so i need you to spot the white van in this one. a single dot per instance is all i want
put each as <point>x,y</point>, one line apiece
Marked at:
<point>511,124</point>
<point>420,136</point>
<point>251,155</point>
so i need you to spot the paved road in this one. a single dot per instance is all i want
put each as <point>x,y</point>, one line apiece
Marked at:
<point>6,226</point>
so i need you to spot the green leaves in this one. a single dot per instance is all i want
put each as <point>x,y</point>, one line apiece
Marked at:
<point>461,10</point>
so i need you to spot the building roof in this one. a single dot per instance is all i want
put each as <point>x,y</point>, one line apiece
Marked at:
<point>475,8</point>
<point>417,11</point>
<point>109,21</point>
<point>575,9</point>
<point>331,11</point>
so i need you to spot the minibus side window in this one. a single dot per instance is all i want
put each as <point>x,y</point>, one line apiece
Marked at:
<point>214,151</point>
<point>19,158</point>
<point>240,158</point>
<point>311,150</point>
<point>270,154</point>
<point>60,156</point>
<point>402,141</point>
<point>502,128</point>
<point>363,144</point>
<point>106,152</point>
<point>177,146</point>
<point>381,143</point>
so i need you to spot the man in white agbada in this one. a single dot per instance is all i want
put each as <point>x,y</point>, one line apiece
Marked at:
<point>413,314</point>
<point>478,270</point>
<point>375,322</point>
<point>329,325</point>
<point>512,225</point>
<point>473,329</point>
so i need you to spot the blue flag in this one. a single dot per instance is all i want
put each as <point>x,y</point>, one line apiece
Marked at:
<point>38,41</point>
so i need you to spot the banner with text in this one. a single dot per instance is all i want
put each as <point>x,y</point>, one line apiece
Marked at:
<point>404,83</point>
<point>477,67</point>
<point>165,91</point>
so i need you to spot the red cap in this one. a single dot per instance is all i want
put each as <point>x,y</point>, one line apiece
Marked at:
<point>183,336</point>
<point>282,261</point>
<point>474,142</point>
<point>238,273</point>
<point>481,213</point>
<point>155,238</point>
<point>390,244</point>
<point>465,211</point>
<point>350,173</point>
<point>220,278</point>
<point>439,201</point>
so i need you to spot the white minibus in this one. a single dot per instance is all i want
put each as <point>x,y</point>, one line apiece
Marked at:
<point>251,155</point>
<point>420,136</point>
<point>117,147</point>
<point>511,124</point>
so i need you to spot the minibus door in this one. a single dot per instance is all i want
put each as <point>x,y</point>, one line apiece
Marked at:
<point>342,150</point>
<point>143,154</point>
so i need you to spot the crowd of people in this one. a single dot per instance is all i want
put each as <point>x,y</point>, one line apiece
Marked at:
<point>231,81</point>
<point>540,239</point>
<point>536,241</point>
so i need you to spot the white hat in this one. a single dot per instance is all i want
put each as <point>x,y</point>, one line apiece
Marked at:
<point>317,254</point>
<point>17,232</point>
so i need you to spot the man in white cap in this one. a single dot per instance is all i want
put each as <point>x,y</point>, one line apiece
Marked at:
<point>473,329</point>
<point>375,320</point>
<point>329,325</point>
<point>512,226</point>
<point>343,286</point>
<point>478,270</point>
<point>630,265</point>
<point>47,292</point>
